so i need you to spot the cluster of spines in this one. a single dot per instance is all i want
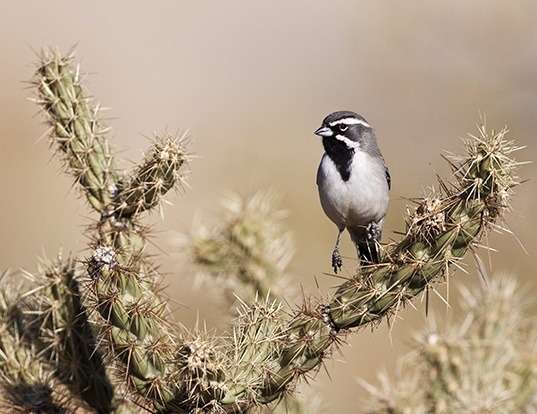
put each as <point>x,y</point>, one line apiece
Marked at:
<point>133,324</point>
<point>248,250</point>
<point>154,177</point>
<point>59,326</point>
<point>27,383</point>
<point>254,349</point>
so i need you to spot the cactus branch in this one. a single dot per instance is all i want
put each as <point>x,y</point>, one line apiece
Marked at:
<point>28,384</point>
<point>248,250</point>
<point>75,129</point>
<point>61,330</point>
<point>155,176</point>
<point>122,290</point>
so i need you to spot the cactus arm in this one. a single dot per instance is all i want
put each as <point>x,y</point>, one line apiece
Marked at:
<point>58,326</point>
<point>75,129</point>
<point>27,384</point>
<point>153,178</point>
<point>248,251</point>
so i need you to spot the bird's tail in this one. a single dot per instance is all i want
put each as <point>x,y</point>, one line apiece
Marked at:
<point>367,249</point>
<point>368,252</point>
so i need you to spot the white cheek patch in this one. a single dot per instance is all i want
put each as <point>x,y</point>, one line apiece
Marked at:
<point>350,121</point>
<point>349,142</point>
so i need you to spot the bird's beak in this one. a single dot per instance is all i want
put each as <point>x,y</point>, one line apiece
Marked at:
<point>324,132</point>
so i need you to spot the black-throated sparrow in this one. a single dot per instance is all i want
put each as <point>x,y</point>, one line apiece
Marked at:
<point>353,183</point>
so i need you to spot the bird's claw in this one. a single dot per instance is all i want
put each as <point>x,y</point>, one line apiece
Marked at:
<point>337,261</point>
<point>374,231</point>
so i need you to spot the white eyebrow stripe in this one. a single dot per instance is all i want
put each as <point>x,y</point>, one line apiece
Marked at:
<point>349,142</point>
<point>350,121</point>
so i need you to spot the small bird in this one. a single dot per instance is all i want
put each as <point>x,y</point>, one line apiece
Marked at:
<point>354,183</point>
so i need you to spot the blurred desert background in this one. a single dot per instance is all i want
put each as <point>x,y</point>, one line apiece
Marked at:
<point>251,81</point>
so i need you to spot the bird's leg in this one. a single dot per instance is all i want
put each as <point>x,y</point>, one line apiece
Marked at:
<point>337,261</point>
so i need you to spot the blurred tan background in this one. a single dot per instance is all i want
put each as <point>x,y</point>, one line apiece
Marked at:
<point>251,81</point>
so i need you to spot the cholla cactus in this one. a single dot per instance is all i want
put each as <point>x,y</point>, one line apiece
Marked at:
<point>157,365</point>
<point>485,363</point>
<point>157,174</point>
<point>249,251</point>
<point>57,324</point>
<point>27,384</point>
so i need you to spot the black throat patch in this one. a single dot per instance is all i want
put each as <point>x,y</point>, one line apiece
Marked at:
<point>340,154</point>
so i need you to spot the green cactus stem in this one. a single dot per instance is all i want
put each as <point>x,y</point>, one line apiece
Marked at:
<point>76,131</point>
<point>157,174</point>
<point>247,251</point>
<point>26,383</point>
<point>61,330</point>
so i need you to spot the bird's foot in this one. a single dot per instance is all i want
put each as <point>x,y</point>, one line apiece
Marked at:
<point>337,261</point>
<point>374,231</point>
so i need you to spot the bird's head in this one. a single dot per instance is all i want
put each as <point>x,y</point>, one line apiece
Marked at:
<point>347,127</point>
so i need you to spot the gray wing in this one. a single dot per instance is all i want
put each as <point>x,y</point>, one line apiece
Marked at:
<point>388,177</point>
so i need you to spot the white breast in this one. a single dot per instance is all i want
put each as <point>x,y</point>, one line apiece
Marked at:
<point>361,199</point>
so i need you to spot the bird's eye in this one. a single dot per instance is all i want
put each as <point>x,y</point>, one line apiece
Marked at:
<point>343,127</point>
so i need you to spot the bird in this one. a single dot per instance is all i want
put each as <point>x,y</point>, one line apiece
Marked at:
<point>354,184</point>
